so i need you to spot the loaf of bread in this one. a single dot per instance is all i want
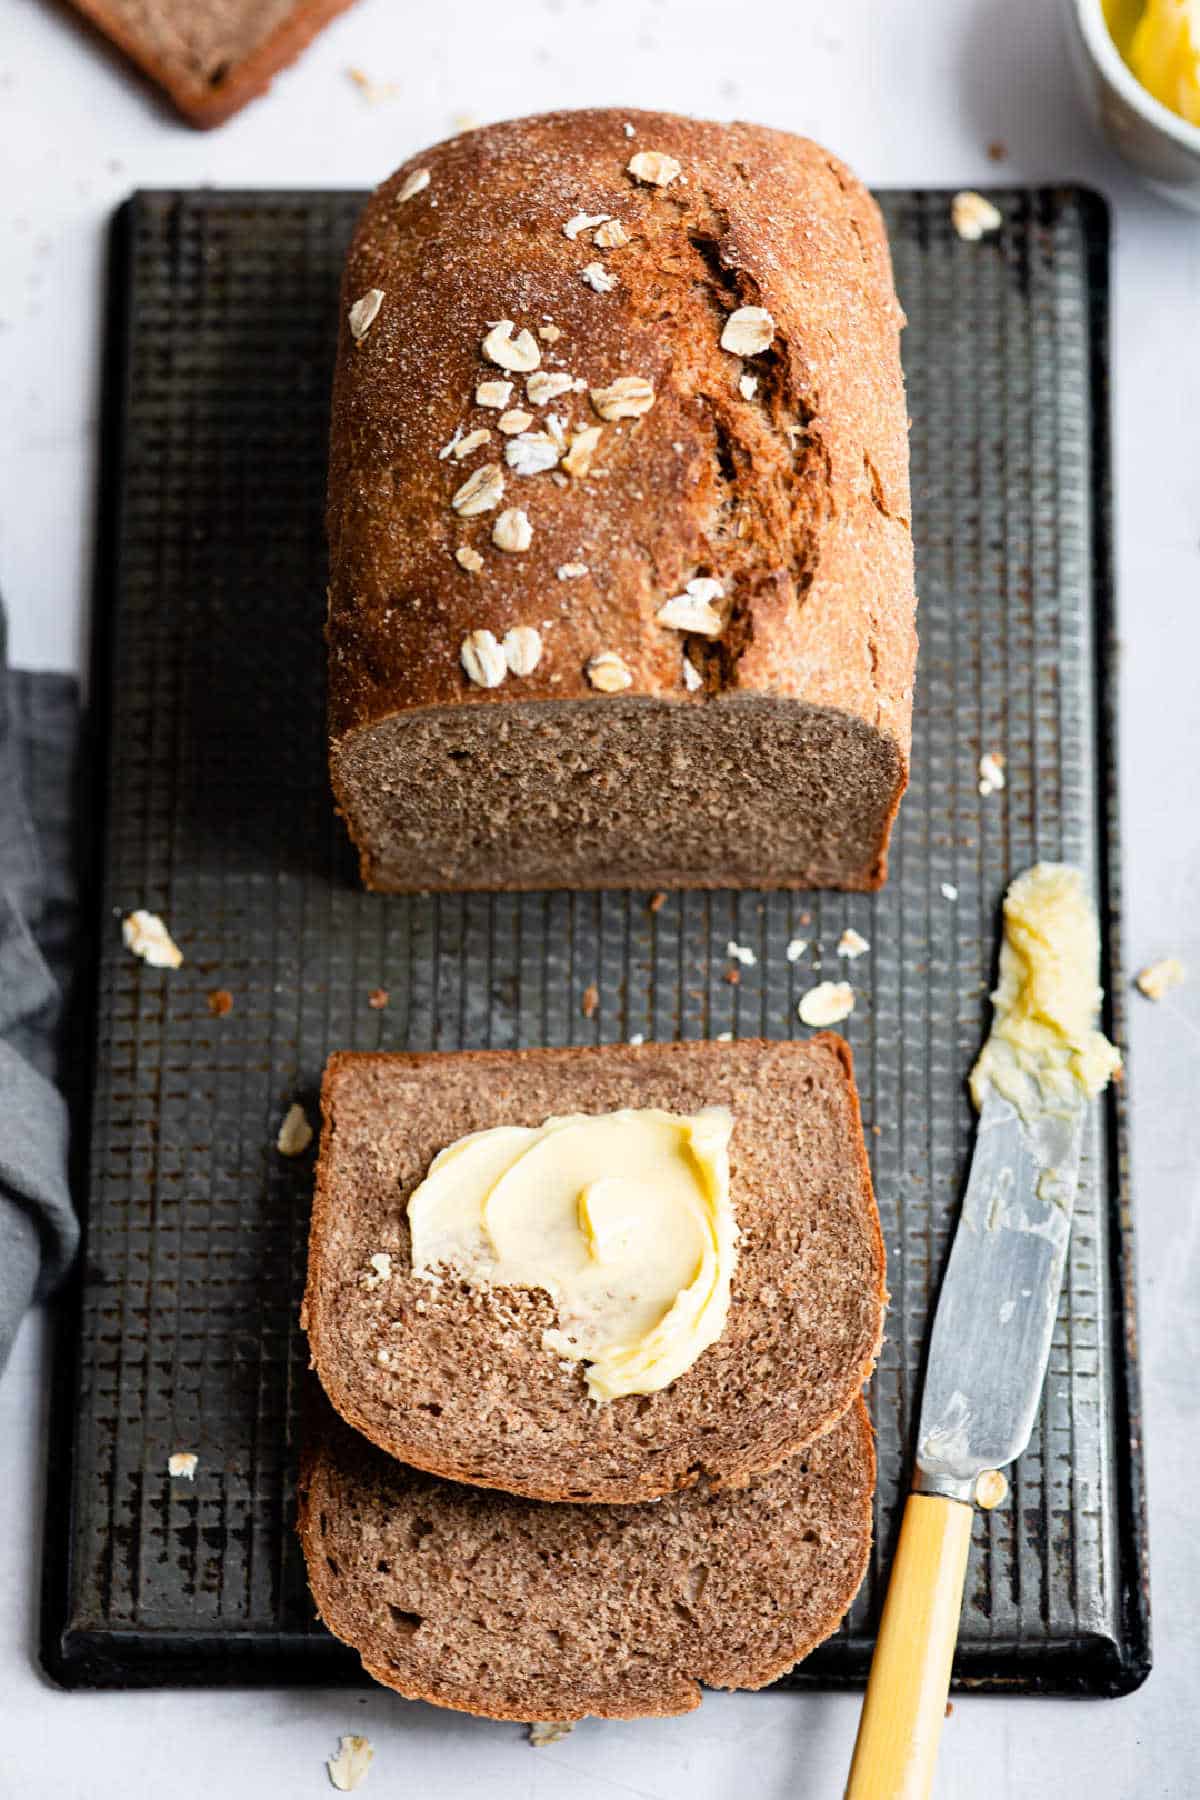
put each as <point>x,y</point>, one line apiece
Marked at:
<point>210,56</point>
<point>621,587</point>
<point>457,1381</point>
<point>521,1610</point>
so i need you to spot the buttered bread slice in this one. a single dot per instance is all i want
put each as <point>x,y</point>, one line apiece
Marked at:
<point>595,1274</point>
<point>520,1610</point>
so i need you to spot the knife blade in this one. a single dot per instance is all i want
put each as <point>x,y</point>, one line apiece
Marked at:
<point>995,1315</point>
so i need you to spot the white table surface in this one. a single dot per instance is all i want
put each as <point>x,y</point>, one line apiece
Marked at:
<point>909,94</point>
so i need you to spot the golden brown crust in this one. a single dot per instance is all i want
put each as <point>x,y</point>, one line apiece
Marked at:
<point>797,498</point>
<point>208,94</point>
<point>683,1416</point>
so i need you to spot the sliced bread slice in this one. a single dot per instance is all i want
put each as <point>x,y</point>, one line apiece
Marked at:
<point>517,1609</point>
<point>456,1381</point>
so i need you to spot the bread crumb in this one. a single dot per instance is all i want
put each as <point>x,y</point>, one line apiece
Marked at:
<point>949,1708</point>
<point>220,1002</point>
<point>724,1037</point>
<point>348,1769</point>
<point>733,977</point>
<point>657,901</point>
<point>637,1040</point>
<point>991,772</point>
<point>851,944</point>
<point>413,184</point>
<point>548,1731</point>
<point>949,891</point>
<point>796,948</point>
<point>377,999</point>
<point>295,1133</point>
<point>145,934</point>
<point>973,217</point>
<point>375,91</point>
<point>827,1003</point>
<point>805,918</point>
<point>182,1463</point>
<point>741,953</point>
<point>590,1000</point>
<point>997,150</point>
<point>990,1489</point>
<point>1158,978</point>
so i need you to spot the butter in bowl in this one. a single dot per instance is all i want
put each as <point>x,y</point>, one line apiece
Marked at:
<point>1139,65</point>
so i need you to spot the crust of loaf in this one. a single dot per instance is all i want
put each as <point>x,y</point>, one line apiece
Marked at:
<point>208,99</point>
<point>796,498</point>
<point>515,1609</point>
<point>470,1394</point>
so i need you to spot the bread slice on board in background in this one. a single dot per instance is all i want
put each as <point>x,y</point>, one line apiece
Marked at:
<point>522,1610</point>
<point>621,582</point>
<point>210,56</point>
<point>466,1389</point>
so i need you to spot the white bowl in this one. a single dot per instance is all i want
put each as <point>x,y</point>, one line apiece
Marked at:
<point>1162,147</point>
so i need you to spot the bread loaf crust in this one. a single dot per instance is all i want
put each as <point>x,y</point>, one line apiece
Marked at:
<point>459,1385</point>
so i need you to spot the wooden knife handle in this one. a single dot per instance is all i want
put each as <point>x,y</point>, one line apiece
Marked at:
<point>905,1704</point>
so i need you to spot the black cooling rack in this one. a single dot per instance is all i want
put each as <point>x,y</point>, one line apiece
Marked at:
<point>217,815</point>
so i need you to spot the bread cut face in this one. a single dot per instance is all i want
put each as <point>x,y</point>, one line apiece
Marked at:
<point>456,1381</point>
<point>520,1609</point>
<point>764,743</point>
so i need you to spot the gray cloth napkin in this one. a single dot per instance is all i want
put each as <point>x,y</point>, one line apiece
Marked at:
<point>39,1233</point>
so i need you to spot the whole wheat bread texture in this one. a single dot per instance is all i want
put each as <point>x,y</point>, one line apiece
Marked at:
<point>517,1609</point>
<point>774,752</point>
<point>210,56</point>
<point>456,1381</point>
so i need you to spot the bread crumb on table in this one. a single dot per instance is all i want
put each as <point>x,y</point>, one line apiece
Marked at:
<point>852,943</point>
<point>295,1133</point>
<point>377,999</point>
<point>182,1463</point>
<point>827,1003</point>
<point>348,1769</point>
<point>548,1731</point>
<point>145,934</point>
<point>973,217</point>
<point>220,1002</point>
<point>991,772</point>
<point>657,901</point>
<point>590,1000</point>
<point>1157,979</point>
